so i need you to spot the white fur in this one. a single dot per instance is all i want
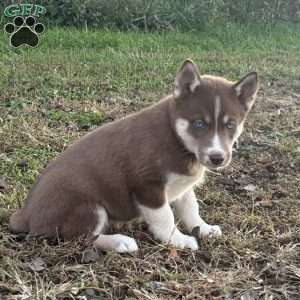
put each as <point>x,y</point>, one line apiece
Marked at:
<point>162,225</point>
<point>238,89</point>
<point>187,209</point>
<point>238,132</point>
<point>177,92</point>
<point>217,109</point>
<point>207,119</point>
<point>178,184</point>
<point>225,119</point>
<point>116,242</point>
<point>194,84</point>
<point>102,220</point>
<point>210,230</point>
<point>181,126</point>
<point>216,144</point>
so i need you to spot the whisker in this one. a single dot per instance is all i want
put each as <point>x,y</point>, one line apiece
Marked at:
<point>210,171</point>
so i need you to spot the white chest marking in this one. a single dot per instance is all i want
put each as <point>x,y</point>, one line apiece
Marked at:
<point>177,184</point>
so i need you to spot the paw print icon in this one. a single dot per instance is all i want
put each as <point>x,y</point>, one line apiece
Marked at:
<point>24,31</point>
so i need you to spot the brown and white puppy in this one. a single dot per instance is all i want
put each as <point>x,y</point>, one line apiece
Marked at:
<point>140,165</point>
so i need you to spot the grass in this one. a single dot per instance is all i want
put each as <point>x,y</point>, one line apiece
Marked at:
<point>76,80</point>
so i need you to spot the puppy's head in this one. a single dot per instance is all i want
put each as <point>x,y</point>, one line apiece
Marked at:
<point>210,113</point>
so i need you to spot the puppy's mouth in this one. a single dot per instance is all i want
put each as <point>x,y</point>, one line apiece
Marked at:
<point>214,164</point>
<point>214,167</point>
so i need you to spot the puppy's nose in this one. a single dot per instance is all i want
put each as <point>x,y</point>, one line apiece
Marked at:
<point>217,158</point>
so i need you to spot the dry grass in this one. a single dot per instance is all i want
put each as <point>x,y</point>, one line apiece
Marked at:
<point>256,200</point>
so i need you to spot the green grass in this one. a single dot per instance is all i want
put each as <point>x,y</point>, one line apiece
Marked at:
<point>115,61</point>
<point>76,80</point>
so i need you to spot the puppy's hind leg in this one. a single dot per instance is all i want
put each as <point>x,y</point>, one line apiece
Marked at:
<point>18,222</point>
<point>112,242</point>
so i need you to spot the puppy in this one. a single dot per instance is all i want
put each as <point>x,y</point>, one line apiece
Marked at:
<point>141,165</point>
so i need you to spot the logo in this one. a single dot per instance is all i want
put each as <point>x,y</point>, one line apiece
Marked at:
<point>24,29</point>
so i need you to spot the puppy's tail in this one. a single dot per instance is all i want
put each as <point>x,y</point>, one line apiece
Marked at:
<point>18,222</point>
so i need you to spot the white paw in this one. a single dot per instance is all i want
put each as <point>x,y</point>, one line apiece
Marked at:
<point>180,240</point>
<point>116,242</point>
<point>210,230</point>
<point>125,244</point>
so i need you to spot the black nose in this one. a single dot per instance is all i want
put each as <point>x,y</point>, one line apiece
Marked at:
<point>217,158</point>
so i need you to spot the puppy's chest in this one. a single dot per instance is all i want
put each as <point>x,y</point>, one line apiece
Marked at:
<point>177,184</point>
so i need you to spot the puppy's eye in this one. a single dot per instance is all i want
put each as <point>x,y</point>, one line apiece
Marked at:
<point>230,125</point>
<point>199,124</point>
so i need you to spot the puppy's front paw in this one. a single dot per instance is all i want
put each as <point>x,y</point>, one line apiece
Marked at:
<point>180,240</point>
<point>210,230</point>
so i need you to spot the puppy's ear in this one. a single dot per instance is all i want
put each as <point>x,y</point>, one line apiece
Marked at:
<point>246,90</point>
<point>187,79</point>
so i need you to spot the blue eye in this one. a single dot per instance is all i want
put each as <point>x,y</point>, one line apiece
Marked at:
<point>230,125</point>
<point>199,124</point>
